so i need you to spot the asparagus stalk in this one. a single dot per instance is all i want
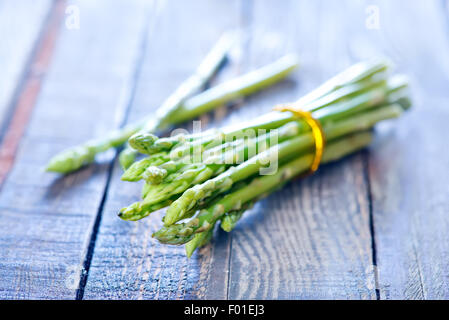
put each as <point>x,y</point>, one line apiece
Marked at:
<point>198,80</point>
<point>230,219</point>
<point>74,158</point>
<point>357,73</point>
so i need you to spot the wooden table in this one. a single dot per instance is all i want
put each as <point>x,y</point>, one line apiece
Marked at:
<point>374,226</point>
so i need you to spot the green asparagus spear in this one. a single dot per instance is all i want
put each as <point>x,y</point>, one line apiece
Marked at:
<point>199,240</point>
<point>205,71</point>
<point>357,73</point>
<point>230,219</point>
<point>136,170</point>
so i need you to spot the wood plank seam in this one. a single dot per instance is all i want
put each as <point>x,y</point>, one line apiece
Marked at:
<point>93,237</point>
<point>28,89</point>
<point>132,84</point>
<point>366,176</point>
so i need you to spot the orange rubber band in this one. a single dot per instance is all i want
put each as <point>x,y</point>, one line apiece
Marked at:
<point>317,132</point>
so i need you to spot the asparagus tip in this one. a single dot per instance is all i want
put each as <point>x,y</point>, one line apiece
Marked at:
<point>141,141</point>
<point>56,166</point>
<point>189,251</point>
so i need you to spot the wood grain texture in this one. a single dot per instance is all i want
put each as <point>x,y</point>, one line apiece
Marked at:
<point>46,220</point>
<point>312,239</point>
<point>20,25</point>
<point>127,263</point>
<point>408,165</point>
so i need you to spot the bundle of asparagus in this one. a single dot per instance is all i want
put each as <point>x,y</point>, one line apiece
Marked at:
<point>180,106</point>
<point>217,175</point>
